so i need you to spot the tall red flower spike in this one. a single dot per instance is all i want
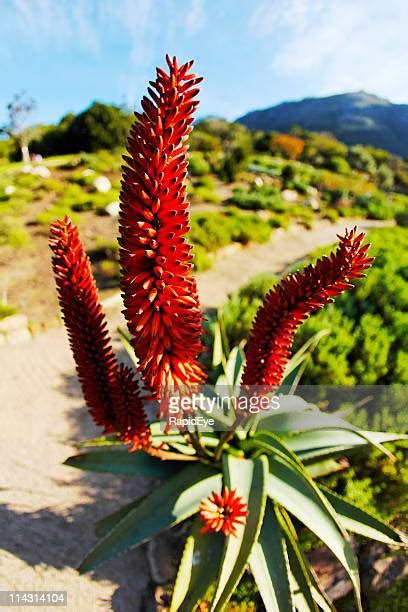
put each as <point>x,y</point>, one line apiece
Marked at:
<point>289,304</point>
<point>160,295</point>
<point>223,512</point>
<point>110,391</point>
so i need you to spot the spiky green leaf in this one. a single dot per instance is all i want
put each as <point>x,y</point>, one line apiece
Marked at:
<point>176,499</point>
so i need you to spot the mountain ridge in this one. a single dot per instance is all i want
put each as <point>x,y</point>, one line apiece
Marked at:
<point>354,118</point>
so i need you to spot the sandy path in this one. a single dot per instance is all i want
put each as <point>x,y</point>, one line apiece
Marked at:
<point>238,265</point>
<point>47,511</point>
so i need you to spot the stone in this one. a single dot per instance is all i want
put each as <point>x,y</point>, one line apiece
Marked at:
<point>312,203</point>
<point>14,330</point>
<point>290,195</point>
<point>113,209</point>
<point>41,171</point>
<point>102,184</point>
<point>258,181</point>
<point>9,190</point>
<point>164,553</point>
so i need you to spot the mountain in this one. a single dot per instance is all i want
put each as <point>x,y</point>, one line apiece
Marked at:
<point>354,118</point>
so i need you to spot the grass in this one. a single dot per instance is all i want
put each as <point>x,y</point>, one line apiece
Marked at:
<point>6,311</point>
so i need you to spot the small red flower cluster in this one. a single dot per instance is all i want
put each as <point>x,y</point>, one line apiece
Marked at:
<point>223,512</point>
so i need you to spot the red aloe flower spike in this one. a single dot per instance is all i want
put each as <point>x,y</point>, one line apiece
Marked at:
<point>160,295</point>
<point>289,304</point>
<point>109,391</point>
<point>223,512</point>
<point>130,417</point>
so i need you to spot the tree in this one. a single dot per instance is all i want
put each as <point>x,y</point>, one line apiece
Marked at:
<point>100,126</point>
<point>290,147</point>
<point>18,110</point>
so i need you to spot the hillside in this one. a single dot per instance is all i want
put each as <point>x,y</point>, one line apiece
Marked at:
<point>354,118</point>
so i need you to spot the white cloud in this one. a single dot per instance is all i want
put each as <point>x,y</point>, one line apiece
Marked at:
<point>195,17</point>
<point>336,46</point>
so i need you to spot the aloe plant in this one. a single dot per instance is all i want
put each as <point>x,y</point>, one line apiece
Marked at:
<point>244,480</point>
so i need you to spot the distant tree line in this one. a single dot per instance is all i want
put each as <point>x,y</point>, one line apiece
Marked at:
<point>218,146</point>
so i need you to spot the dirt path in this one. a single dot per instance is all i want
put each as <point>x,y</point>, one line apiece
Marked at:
<point>235,265</point>
<point>47,510</point>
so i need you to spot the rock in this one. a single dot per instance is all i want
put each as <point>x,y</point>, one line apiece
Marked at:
<point>113,209</point>
<point>41,171</point>
<point>312,191</point>
<point>9,190</point>
<point>102,184</point>
<point>312,203</point>
<point>164,552</point>
<point>14,330</point>
<point>290,195</point>
<point>88,172</point>
<point>258,181</point>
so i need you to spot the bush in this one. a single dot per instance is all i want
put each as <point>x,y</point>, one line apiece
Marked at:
<point>360,159</point>
<point>6,311</point>
<point>259,198</point>
<point>369,326</point>
<point>376,206</point>
<point>339,164</point>
<point>101,126</point>
<point>215,230</point>
<point>13,233</point>
<point>203,260</point>
<point>239,312</point>
<point>197,165</point>
<point>290,147</point>
<point>402,218</point>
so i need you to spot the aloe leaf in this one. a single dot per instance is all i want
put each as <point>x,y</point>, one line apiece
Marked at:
<point>248,477</point>
<point>269,565</point>
<point>303,353</point>
<point>138,463</point>
<point>326,467</point>
<point>204,553</point>
<point>105,525</point>
<point>218,351</point>
<point>327,442</point>
<point>121,461</point>
<point>183,575</point>
<point>234,366</point>
<point>100,441</point>
<point>305,586</point>
<point>359,521</point>
<point>176,499</point>
<point>288,421</point>
<point>291,489</point>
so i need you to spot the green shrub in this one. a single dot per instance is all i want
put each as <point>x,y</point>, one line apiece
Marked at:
<point>331,214</point>
<point>369,325</point>
<point>206,194</point>
<point>13,233</point>
<point>203,260</point>
<point>215,230</point>
<point>339,164</point>
<point>6,311</point>
<point>198,166</point>
<point>259,198</point>
<point>402,218</point>
<point>52,213</point>
<point>238,313</point>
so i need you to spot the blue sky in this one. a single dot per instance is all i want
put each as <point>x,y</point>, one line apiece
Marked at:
<point>253,53</point>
